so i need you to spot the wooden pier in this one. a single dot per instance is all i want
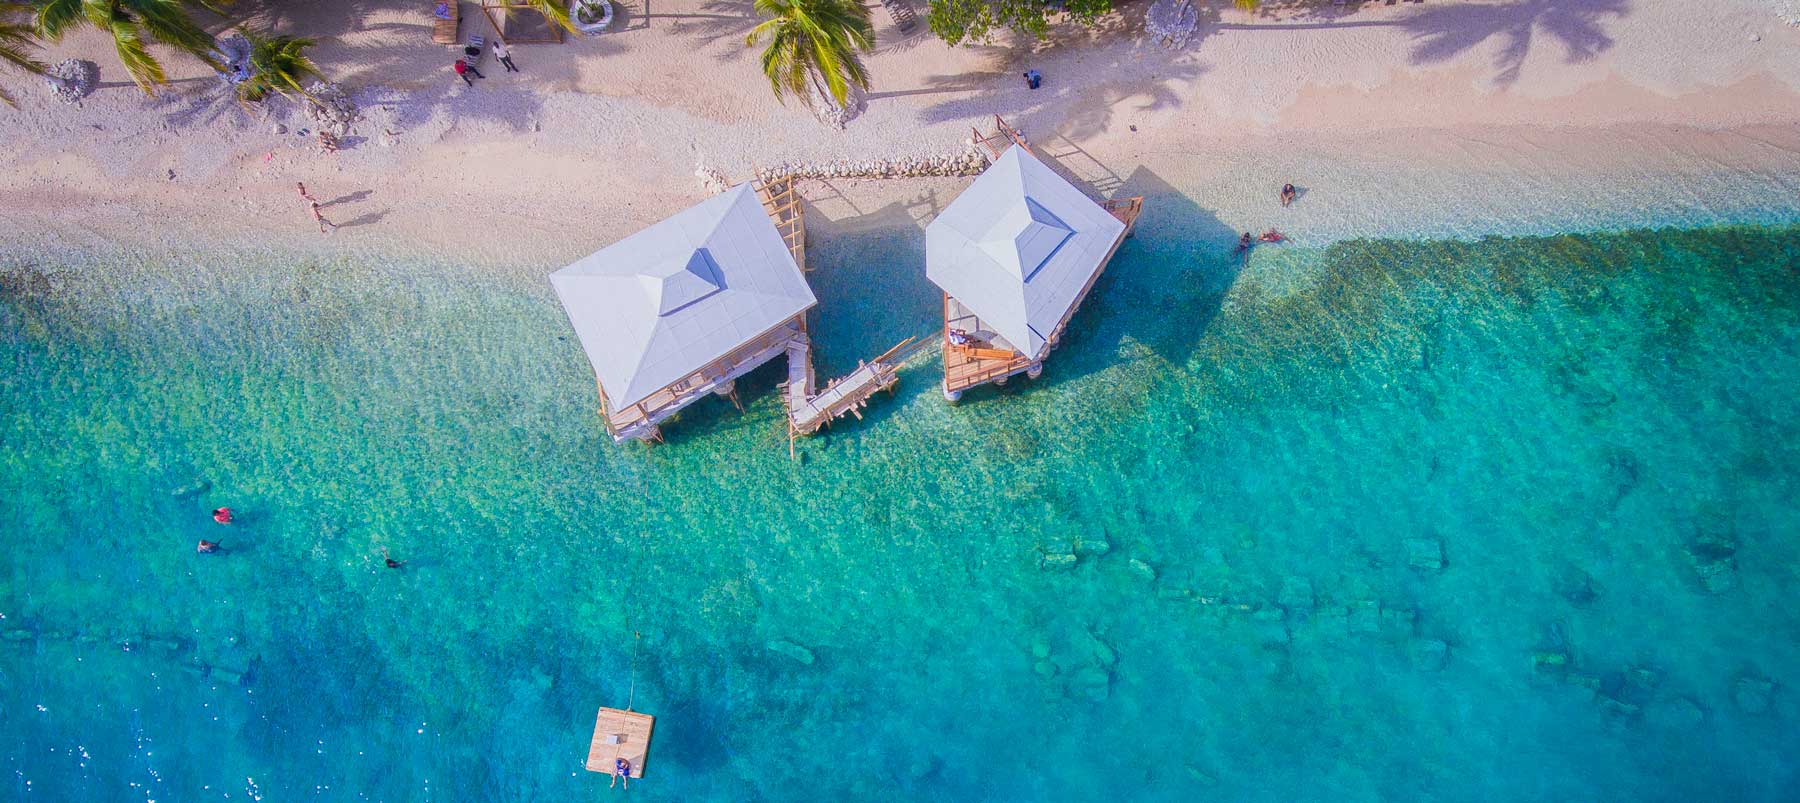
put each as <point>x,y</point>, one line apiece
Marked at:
<point>810,410</point>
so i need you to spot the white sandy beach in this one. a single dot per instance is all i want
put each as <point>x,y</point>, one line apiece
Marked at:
<point>1437,118</point>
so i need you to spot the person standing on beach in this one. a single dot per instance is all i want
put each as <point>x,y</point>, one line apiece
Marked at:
<point>504,55</point>
<point>1288,194</point>
<point>463,68</point>
<point>325,226</point>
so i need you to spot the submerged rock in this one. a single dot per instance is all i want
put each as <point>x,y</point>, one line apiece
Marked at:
<point>1428,655</point>
<point>1091,546</point>
<point>1713,555</point>
<point>1052,561</point>
<point>791,650</point>
<point>1093,684</point>
<point>1143,570</point>
<point>1752,694</point>
<point>17,634</point>
<point>1576,586</point>
<point>1425,553</point>
<point>192,489</point>
<point>1365,616</point>
<point>1296,594</point>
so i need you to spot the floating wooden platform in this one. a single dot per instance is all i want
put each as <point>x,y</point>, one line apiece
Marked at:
<point>620,734</point>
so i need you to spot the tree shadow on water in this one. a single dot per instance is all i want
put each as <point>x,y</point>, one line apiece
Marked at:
<point>1445,32</point>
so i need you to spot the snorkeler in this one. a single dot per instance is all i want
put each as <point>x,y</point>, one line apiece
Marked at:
<point>207,547</point>
<point>391,563</point>
<point>222,515</point>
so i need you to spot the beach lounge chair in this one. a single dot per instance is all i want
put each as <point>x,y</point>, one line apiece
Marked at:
<point>443,29</point>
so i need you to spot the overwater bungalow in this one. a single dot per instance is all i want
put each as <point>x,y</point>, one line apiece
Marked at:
<point>1015,254</point>
<point>688,305</point>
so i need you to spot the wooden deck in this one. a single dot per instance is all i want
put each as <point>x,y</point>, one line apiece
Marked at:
<point>631,732</point>
<point>443,32</point>
<point>987,360</point>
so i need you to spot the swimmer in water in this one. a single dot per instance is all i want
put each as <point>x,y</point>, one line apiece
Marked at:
<point>207,547</point>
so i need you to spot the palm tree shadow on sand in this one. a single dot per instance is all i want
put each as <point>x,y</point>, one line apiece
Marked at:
<point>1443,33</point>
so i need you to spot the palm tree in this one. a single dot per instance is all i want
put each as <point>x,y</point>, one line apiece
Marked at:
<point>128,22</point>
<point>279,65</point>
<point>814,47</point>
<point>15,42</point>
<point>556,11</point>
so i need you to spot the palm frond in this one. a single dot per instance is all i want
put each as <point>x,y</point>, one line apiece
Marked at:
<point>56,17</point>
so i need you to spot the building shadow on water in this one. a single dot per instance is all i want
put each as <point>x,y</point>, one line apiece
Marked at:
<point>1161,291</point>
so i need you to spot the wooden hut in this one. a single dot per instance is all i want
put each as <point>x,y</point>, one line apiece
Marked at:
<point>1015,254</point>
<point>683,308</point>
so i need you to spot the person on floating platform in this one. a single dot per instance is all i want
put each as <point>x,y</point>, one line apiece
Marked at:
<point>621,772</point>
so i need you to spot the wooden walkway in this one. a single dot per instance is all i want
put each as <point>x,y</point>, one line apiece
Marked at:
<point>808,412</point>
<point>1004,136</point>
<point>783,205</point>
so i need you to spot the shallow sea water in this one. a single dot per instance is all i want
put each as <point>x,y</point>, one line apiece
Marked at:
<point>1507,519</point>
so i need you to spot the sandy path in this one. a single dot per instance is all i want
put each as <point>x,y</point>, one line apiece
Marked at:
<point>1441,118</point>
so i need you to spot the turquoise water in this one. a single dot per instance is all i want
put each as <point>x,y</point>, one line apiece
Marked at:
<point>1511,519</point>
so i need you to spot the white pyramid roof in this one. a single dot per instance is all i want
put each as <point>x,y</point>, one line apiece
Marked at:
<point>660,304</point>
<point>1017,246</point>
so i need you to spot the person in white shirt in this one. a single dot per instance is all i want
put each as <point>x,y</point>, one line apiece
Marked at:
<point>504,55</point>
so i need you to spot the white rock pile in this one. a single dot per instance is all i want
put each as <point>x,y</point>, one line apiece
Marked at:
<point>335,111</point>
<point>966,162</point>
<point>72,79</point>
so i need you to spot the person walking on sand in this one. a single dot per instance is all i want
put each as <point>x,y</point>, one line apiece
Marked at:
<point>325,226</point>
<point>621,772</point>
<point>301,185</point>
<point>463,68</point>
<point>504,55</point>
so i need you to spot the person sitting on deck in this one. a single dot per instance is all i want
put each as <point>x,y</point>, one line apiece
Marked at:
<point>959,337</point>
<point>442,11</point>
<point>621,772</point>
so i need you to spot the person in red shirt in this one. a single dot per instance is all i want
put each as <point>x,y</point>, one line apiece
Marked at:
<point>463,68</point>
<point>222,515</point>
